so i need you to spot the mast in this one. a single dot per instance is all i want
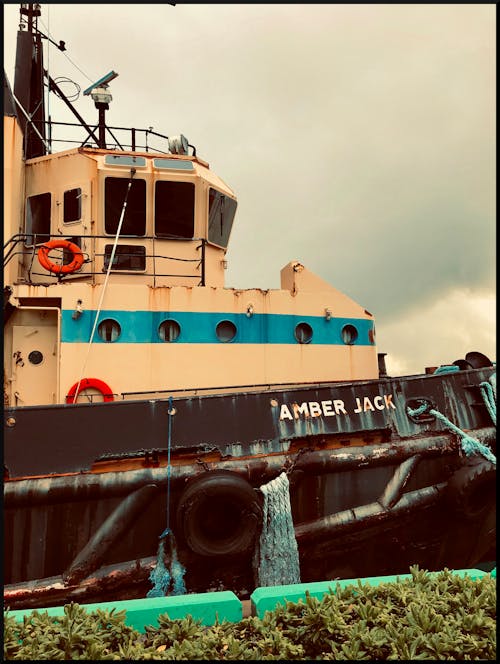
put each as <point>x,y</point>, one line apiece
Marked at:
<point>29,81</point>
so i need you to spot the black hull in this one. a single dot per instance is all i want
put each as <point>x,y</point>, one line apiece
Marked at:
<point>372,492</point>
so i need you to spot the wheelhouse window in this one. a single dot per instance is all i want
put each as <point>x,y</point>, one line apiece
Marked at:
<point>221,211</point>
<point>38,209</point>
<point>72,205</point>
<point>127,257</point>
<point>174,209</point>
<point>115,192</point>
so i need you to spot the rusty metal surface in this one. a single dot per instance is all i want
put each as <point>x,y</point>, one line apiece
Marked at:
<point>90,557</point>
<point>42,592</point>
<point>48,522</point>
<point>91,487</point>
<point>367,541</point>
<point>53,591</point>
<point>370,499</point>
<point>70,438</point>
<point>394,489</point>
<point>366,515</point>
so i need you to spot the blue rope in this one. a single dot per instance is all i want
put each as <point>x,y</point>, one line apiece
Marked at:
<point>469,445</point>
<point>161,577</point>
<point>446,369</point>
<point>488,394</point>
<point>170,413</point>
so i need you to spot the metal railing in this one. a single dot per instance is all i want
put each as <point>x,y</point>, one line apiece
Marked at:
<point>131,138</point>
<point>27,245</point>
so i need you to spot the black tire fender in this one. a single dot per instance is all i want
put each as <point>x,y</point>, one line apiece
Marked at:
<point>219,514</point>
<point>472,488</point>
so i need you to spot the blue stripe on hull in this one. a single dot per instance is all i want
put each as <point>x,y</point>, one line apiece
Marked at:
<point>199,327</point>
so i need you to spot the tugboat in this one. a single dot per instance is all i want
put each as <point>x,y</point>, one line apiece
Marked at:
<point>143,397</point>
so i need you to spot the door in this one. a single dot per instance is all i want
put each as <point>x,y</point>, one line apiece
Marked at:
<point>73,221</point>
<point>34,363</point>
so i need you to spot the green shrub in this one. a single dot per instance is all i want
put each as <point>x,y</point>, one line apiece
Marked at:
<point>439,617</point>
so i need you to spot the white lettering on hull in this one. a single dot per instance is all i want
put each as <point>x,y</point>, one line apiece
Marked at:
<point>334,407</point>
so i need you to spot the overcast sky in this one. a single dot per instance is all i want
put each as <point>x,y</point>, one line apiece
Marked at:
<point>359,139</point>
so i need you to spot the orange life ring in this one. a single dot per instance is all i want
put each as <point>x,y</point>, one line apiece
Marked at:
<point>76,263</point>
<point>97,384</point>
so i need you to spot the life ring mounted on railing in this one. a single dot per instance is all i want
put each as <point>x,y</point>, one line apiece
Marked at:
<point>85,383</point>
<point>73,266</point>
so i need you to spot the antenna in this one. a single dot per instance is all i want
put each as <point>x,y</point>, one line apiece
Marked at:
<point>101,96</point>
<point>102,82</point>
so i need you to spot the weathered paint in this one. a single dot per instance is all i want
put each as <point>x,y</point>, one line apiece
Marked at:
<point>266,319</point>
<point>120,429</point>
<point>269,353</point>
<point>363,474</point>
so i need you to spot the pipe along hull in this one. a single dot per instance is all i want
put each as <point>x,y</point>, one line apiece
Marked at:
<point>372,490</point>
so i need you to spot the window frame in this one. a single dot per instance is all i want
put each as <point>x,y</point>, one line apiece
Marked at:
<point>126,178</point>
<point>171,180</point>
<point>226,195</point>
<point>30,232</point>
<point>178,329</point>
<point>110,319</point>
<point>300,328</point>
<point>225,321</point>
<point>80,197</point>
<point>125,270</point>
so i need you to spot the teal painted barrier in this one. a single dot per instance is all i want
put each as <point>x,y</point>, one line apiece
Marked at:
<point>225,605</point>
<point>207,607</point>
<point>266,599</point>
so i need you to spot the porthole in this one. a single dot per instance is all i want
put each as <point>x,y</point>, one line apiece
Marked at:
<point>109,330</point>
<point>35,357</point>
<point>303,333</point>
<point>169,330</point>
<point>225,331</point>
<point>349,334</point>
<point>371,335</point>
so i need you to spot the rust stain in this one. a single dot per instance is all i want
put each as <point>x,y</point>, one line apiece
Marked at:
<point>160,459</point>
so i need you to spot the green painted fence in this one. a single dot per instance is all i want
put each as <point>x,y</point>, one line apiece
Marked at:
<point>209,607</point>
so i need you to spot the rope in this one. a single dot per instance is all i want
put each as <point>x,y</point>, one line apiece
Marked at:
<point>103,291</point>
<point>160,576</point>
<point>170,414</point>
<point>488,392</point>
<point>277,555</point>
<point>469,445</point>
<point>446,369</point>
<point>167,581</point>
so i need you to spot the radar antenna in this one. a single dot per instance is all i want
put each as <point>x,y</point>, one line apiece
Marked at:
<point>101,96</point>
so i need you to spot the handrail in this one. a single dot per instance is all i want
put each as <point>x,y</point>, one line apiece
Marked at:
<point>36,240</point>
<point>131,145</point>
<point>14,241</point>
